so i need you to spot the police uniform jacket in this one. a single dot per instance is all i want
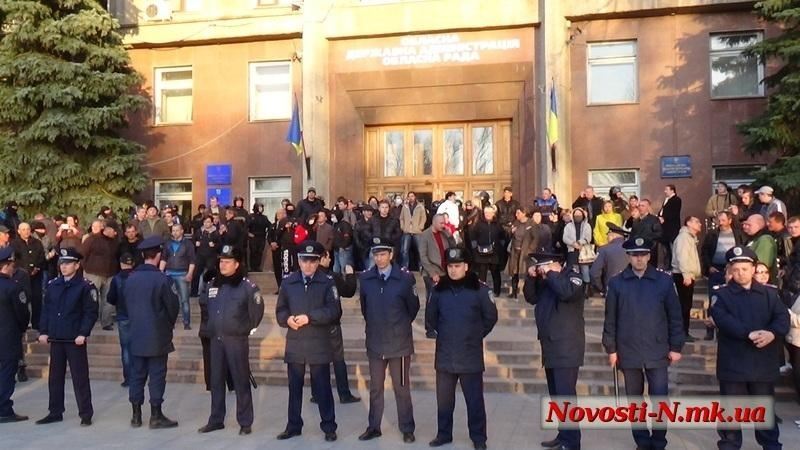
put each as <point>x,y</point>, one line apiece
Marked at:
<point>389,307</point>
<point>462,313</point>
<point>319,300</point>
<point>347,285</point>
<point>643,320</point>
<point>152,302</point>
<point>558,298</point>
<point>737,312</point>
<point>69,308</point>
<point>234,305</point>
<point>116,293</point>
<point>14,317</point>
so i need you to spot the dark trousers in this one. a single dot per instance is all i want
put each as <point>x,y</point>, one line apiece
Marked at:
<point>8,371</point>
<point>124,328</point>
<point>276,266</point>
<point>657,384</point>
<point>203,263</point>
<point>231,353</point>
<point>153,371</point>
<point>60,355</point>
<point>481,270</point>
<point>36,300</point>
<point>205,343</point>
<point>320,390</point>
<point>732,439</point>
<point>562,382</point>
<point>794,359</point>
<point>402,392</point>
<point>257,245</point>
<point>339,365</point>
<point>472,387</point>
<point>686,297</point>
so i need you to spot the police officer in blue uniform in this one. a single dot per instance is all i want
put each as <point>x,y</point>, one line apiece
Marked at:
<point>152,303</point>
<point>461,312</point>
<point>749,317</point>
<point>116,297</point>
<point>389,303</point>
<point>235,308</point>
<point>643,330</point>
<point>69,312</point>
<point>308,304</point>
<point>557,294</point>
<point>14,317</point>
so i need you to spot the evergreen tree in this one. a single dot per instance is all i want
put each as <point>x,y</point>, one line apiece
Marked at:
<point>777,129</point>
<point>66,88</point>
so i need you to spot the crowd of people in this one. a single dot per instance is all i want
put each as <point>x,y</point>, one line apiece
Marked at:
<point>316,250</point>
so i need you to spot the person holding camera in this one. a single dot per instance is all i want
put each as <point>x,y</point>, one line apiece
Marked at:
<point>487,241</point>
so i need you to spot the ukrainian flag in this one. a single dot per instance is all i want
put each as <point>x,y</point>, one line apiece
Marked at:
<point>295,135</point>
<point>552,119</point>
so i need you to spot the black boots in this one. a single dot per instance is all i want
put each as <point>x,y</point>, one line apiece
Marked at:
<point>22,376</point>
<point>709,334</point>
<point>158,420</point>
<point>136,418</point>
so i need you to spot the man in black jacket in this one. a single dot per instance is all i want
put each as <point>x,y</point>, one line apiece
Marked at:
<point>30,257</point>
<point>258,226</point>
<point>389,304</point>
<point>235,309</point>
<point>308,304</point>
<point>749,317</point>
<point>460,314</point>
<point>670,218</point>
<point>557,294</point>
<point>643,330</point>
<point>309,206</point>
<point>386,227</point>
<point>646,226</point>
<point>590,203</point>
<point>14,316</point>
<point>363,237</point>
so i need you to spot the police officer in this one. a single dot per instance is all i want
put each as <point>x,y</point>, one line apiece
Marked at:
<point>116,298</point>
<point>347,285</point>
<point>69,312</point>
<point>235,308</point>
<point>461,311</point>
<point>611,258</point>
<point>14,317</point>
<point>389,303</point>
<point>643,330</point>
<point>749,317</point>
<point>557,294</point>
<point>308,304</point>
<point>152,302</point>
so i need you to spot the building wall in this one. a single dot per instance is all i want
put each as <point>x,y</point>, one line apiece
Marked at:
<point>221,132</point>
<point>674,115</point>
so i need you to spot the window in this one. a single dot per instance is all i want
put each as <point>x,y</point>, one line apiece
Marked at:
<point>603,180</point>
<point>186,5</point>
<point>732,73</point>
<point>612,76</point>
<point>454,151</point>
<point>482,150</point>
<point>269,192</point>
<point>270,90</point>
<point>173,95</point>
<point>423,152</point>
<point>735,176</point>
<point>175,193</point>
<point>394,149</point>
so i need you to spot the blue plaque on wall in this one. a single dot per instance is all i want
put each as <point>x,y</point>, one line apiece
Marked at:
<point>219,174</point>
<point>676,166</point>
<point>223,195</point>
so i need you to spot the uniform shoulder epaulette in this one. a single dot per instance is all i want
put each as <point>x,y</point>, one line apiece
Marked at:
<point>663,271</point>
<point>51,281</point>
<point>89,282</point>
<point>716,288</point>
<point>330,277</point>
<point>250,282</point>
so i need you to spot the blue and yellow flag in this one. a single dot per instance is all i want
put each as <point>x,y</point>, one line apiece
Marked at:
<point>552,119</point>
<point>295,135</point>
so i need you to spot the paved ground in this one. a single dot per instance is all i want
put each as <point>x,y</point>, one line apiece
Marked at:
<point>513,424</point>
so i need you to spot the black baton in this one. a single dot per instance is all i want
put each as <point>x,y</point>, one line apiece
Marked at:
<point>402,371</point>
<point>253,381</point>
<point>60,341</point>
<point>616,384</point>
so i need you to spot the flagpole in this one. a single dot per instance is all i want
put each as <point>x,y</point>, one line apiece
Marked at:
<point>306,158</point>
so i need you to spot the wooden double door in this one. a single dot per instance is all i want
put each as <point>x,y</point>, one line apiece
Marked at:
<point>433,159</point>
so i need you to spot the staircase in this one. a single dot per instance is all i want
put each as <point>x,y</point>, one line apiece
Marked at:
<point>512,354</point>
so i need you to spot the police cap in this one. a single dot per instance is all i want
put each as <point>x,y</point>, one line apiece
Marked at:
<point>126,258</point>
<point>69,254</point>
<point>230,252</point>
<point>6,254</point>
<point>741,253</point>
<point>637,245</point>
<point>150,242</point>
<point>456,255</point>
<point>545,258</point>
<point>310,249</point>
<point>380,244</point>
<point>614,228</point>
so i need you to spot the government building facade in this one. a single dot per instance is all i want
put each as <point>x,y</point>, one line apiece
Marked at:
<point>433,96</point>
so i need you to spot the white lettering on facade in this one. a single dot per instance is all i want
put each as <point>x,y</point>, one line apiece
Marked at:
<point>414,50</point>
